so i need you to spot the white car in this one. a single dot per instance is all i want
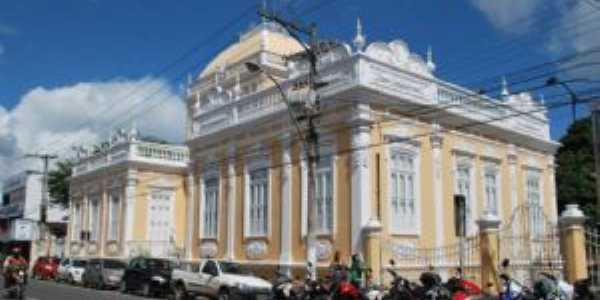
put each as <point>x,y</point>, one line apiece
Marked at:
<point>219,280</point>
<point>71,270</point>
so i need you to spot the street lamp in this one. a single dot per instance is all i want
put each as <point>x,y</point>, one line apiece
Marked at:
<point>552,81</point>
<point>310,143</point>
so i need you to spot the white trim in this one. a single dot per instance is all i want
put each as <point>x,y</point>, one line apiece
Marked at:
<point>171,193</point>
<point>109,227</point>
<point>493,167</point>
<point>211,174</point>
<point>286,202</point>
<point>252,165</point>
<point>231,207</point>
<point>413,150</point>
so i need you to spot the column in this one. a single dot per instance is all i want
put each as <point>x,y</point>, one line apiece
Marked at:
<point>130,198</point>
<point>103,220</point>
<point>511,158</point>
<point>361,185</point>
<point>573,243</point>
<point>286,205</point>
<point>436,140</point>
<point>488,247</point>
<point>372,250</point>
<point>190,209</point>
<point>231,203</point>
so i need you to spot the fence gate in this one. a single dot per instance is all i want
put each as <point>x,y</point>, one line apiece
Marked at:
<point>532,243</point>
<point>592,243</point>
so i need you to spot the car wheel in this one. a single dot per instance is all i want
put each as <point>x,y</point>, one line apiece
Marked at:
<point>179,292</point>
<point>123,287</point>
<point>70,279</point>
<point>223,295</point>
<point>146,291</point>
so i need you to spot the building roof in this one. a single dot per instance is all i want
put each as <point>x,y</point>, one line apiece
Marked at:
<point>267,37</point>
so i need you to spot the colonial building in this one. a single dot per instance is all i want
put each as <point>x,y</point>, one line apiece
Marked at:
<point>127,199</point>
<point>396,144</point>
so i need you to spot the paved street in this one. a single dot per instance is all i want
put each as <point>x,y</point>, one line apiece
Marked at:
<point>42,290</point>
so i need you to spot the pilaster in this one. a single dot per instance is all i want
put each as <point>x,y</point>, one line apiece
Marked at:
<point>489,225</point>
<point>361,188</point>
<point>512,160</point>
<point>286,204</point>
<point>130,199</point>
<point>437,141</point>
<point>231,204</point>
<point>552,189</point>
<point>190,188</point>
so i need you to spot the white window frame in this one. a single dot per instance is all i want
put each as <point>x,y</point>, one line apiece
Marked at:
<point>535,214</point>
<point>408,227</point>
<point>327,164</point>
<point>114,215</point>
<point>327,151</point>
<point>161,189</point>
<point>250,167</point>
<point>77,222</point>
<point>466,161</point>
<point>492,169</point>
<point>209,175</point>
<point>94,218</point>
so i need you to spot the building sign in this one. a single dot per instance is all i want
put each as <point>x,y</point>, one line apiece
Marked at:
<point>23,230</point>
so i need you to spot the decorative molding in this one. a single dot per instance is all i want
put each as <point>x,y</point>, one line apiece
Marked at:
<point>256,249</point>
<point>324,250</point>
<point>208,249</point>
<point>112,248</point>
<point>404,250</point>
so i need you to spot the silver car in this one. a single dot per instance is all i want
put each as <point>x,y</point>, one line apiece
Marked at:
<point>103,273</point>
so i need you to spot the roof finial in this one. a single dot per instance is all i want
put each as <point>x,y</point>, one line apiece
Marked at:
<point>430,63</point>
<point>504,92</point>
<point>359,40</point>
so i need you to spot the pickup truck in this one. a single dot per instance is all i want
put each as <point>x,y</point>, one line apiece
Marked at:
<point>219,280</point>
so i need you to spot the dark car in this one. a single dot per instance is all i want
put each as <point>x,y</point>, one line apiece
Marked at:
<point>45,267</point>
<point>149,276</point>
<point>103,273</point>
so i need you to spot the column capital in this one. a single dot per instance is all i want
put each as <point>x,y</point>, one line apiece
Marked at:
<point>572,216</point>
<point>512,156</point>
<point>437,138</point>
<point>488,222</point>
<point>373,226</point>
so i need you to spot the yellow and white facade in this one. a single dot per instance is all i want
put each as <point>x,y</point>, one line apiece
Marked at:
<point>126,200</point>
<point>396,145</point>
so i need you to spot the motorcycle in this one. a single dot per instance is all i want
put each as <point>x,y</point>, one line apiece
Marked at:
<point>17,288</point>
<point>401,288</point>
<point>432,287</point>
<point>284,288</point>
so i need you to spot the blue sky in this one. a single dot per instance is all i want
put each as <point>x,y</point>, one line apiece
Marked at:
<point>54,49</point>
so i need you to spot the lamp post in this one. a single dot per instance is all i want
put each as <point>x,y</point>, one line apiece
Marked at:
<point>309,141</point>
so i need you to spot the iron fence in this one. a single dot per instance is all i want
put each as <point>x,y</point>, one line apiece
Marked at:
<point>592,243</point>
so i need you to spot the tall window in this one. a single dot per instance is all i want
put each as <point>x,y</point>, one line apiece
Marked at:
<point>211,211</point>
<point>75,235</point>
<point>324,196</point>
<point>403,187</point>
<point>94,219</point>
<point>491,191</point>
<point>463,187</point>
<point>533,200</point>
<point>258,202</point>
<point>114,203</point>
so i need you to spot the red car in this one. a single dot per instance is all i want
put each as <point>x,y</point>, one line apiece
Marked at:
<point>45,267</point>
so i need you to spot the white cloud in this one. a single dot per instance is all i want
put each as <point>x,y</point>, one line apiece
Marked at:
<point>506,14</point>
<point>53,120</point>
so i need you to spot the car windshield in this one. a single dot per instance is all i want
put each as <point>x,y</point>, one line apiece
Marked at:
<point>114,264</point>
<point>232,268</point>
<point>160,264</point>
<point>79,263</point>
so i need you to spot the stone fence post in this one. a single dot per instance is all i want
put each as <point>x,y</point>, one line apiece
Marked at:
<point>489,225</point>
<point>572,235</point>
<point>372,248</point>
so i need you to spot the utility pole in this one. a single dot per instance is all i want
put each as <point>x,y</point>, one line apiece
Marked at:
<point>310,111</point>
<point>43,230</point>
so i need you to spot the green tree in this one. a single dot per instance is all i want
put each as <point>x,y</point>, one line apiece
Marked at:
<point>575,173</point>
<point>58,182</point>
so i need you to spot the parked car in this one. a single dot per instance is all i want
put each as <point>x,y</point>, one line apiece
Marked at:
<point>219,280</point>
<point>71,270</point>
<point>103,273</point>
<point>148,276</point>
<point>45,267</point>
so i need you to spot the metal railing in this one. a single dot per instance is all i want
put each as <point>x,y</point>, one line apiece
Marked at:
<point>162,249</point>
<point>592,243</point>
